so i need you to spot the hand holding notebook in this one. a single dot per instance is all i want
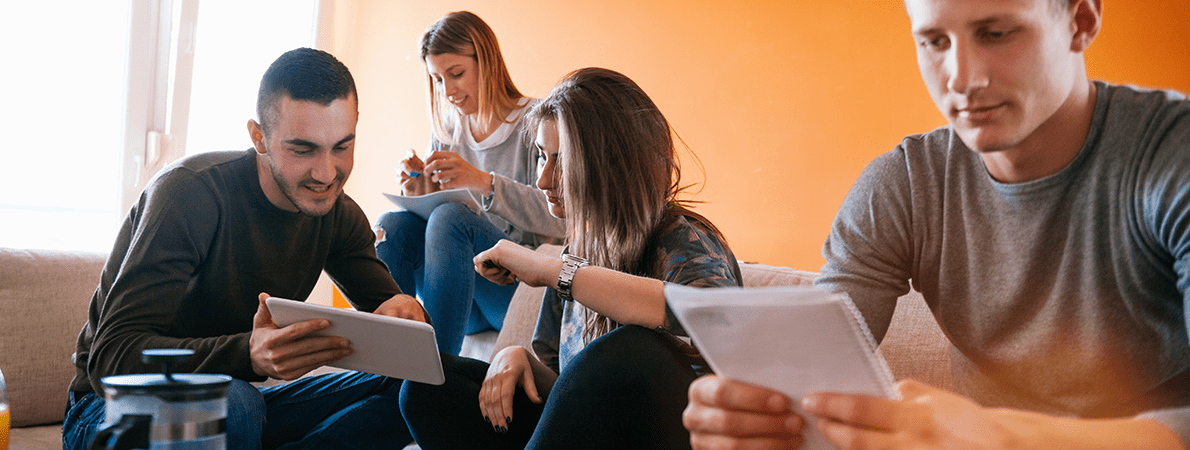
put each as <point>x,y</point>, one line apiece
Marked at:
<point>796,340</point>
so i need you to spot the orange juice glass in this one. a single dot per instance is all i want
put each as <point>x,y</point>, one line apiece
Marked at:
<point>3,426</point>
<point>3,415</point>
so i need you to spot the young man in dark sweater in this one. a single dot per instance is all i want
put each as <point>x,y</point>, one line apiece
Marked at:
<point>215,234</point>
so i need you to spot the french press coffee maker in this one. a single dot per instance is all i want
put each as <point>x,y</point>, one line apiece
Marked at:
<point>164,410</point>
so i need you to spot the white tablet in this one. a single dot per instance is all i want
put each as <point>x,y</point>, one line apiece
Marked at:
<point>383,345</point>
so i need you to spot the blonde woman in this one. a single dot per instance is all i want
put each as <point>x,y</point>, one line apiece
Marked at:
<point>606,369</point>
<point>479,144</point>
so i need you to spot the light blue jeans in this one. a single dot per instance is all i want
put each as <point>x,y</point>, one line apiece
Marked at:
<point>432,258</point>
<point>344,410</point>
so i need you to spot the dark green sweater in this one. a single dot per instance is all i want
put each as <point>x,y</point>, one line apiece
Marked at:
<point>195,251</point>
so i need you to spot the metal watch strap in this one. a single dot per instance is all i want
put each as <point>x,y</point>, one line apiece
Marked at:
<point>570,265</point>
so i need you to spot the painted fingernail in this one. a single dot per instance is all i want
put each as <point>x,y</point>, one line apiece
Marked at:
<point>507,419</point>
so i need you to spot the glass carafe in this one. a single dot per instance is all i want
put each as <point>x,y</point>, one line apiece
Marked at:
<point>4,420</point>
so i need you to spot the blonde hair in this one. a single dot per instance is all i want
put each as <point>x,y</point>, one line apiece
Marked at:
<point>620,172</point>
<point>464,33</point>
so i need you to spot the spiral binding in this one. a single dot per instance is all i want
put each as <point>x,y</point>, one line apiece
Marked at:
<point>879,365</point>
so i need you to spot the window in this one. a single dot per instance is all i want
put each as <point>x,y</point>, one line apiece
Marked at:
<point>104,94</point>
<point>230,59</point>
<point>64,86</point>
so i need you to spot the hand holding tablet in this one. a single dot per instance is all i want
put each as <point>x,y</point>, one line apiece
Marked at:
<point>381,345</point>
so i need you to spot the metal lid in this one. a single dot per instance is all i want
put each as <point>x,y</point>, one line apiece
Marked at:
<point>168,386</point>
<point>179,388</point>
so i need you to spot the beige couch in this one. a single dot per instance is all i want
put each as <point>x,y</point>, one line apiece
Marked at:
<point>44,297</point>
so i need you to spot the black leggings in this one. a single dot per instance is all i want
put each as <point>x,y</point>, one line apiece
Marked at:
<point>626,389</point>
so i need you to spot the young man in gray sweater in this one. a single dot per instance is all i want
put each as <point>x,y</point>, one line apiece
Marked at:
<point>1048,229</point>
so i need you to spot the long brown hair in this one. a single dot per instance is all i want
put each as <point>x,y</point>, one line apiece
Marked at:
<point>464,33</point>
<point>619,171</point>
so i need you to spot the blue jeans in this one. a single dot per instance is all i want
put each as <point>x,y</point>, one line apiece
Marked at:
<point>625,390</point>
<point>339,410</point>
<point>432,258</point>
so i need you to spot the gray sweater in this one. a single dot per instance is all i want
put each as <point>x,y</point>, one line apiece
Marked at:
<point>517,207</point>
<point>1064,295</point>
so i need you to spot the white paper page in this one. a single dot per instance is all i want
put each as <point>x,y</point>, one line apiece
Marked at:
<point>795,339</point>
<point>423,205</point>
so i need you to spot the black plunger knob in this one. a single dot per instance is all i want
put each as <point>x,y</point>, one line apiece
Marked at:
<point>167,357</point>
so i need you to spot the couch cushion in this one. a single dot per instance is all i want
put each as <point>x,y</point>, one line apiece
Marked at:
<point>766,275</point>
<point>915,346</point>
<point>43,304</point>
<point>45,437</point>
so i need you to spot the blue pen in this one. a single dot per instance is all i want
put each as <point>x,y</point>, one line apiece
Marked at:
<point>411,154</point>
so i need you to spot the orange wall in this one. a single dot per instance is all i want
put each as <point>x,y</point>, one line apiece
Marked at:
<point>783,101</point>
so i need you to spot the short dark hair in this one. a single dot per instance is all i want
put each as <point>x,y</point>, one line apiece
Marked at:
<point>1059,5</point>
<point>303,74</point>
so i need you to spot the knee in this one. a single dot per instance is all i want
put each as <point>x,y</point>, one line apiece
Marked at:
<point>397,228</point>
<point>245,407</point>
<point>393,222</point>
<point>421,394</point>
<point>463,378</point>
<point>416,398</point>
<point>452,211</point>
<point>451,216</point>
<point>626,350</point>
<point>627,340</point>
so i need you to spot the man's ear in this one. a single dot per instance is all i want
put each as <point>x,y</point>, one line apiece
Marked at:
<point>1086,20</point>
<point>256,134</point>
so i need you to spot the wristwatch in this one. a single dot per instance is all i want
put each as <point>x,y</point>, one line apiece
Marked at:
<point>570,265</point>
<point>491,195</point>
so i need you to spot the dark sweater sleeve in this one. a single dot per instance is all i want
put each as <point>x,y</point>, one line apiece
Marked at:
<point>166,238</point>
<point>352,264</point>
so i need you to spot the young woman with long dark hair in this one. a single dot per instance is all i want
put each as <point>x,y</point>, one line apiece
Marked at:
<point>608,368</point>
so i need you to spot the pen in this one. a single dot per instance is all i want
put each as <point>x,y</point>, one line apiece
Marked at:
<point>412,173</point>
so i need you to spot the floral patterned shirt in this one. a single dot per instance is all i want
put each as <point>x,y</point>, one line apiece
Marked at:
<point>686,253</point>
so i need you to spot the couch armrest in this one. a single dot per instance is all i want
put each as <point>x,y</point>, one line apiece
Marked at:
<point>44,296</point>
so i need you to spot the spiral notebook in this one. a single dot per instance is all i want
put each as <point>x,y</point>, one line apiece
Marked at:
<point>794,339</point>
